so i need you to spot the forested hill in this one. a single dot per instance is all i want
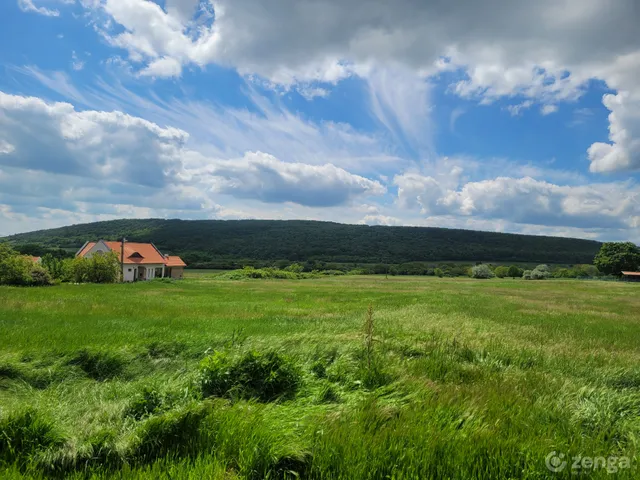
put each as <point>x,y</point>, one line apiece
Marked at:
<point>205,241</point>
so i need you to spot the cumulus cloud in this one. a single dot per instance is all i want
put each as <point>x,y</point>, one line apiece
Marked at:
<point>623,153</point>
<point>55,157</point>
<point>54,137</point>
<point>265,178</point>
<point>525,201</point>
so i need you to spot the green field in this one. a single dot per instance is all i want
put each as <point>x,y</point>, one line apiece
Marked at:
<point>463,379</point>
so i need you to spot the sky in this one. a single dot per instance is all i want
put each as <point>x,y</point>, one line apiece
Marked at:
<point>497,115</point>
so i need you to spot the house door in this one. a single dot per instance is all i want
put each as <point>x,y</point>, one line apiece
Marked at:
<point>141,272</point>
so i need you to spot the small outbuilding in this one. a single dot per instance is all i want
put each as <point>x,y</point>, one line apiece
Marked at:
<point>631,276</point>
<point>174,266</point>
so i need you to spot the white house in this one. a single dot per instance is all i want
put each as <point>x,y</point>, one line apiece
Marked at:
<point>140,261</point>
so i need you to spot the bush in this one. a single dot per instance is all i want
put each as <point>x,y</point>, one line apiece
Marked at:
<point>515,272</point>
<point>25,433</point>
<point>295,268</point>
<point>100,268</point>
<point>481,271</point>
<point>590,271</point>
<point>264,376</point>
<point>16,270</point>
<point>175,432</point>
<point>564,273</point>
<point>58,268</point>
<point>541,272</point>
<point>502,272</point>
<point>438,272</point>
<point>150,401</point>
<point>40,276</point>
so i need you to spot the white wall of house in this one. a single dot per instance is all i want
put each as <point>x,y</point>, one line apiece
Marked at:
<point>142,272</point>
<point>129,273</point>
<point>151,271</point>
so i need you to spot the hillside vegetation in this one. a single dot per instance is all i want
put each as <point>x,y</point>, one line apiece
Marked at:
<point>211,243</point>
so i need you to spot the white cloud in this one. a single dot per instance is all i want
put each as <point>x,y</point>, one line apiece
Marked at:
<point>623,153</point>
<point>400,101</point>
<point>76,63</point>
<point>6,147</point>
<point>381,220</point>
<point>265,178</point>
<point>54,137</point>
<point>528,51</point>
<point>29,6</point>
<point>57,158</point>
<point>548,109</point>
<point>516,110</point>
<point>267,126</point>
<point>163,67</point>
<point>525,201</point>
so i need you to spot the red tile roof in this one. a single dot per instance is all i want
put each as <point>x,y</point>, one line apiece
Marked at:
<point>174,261</point>
<point>137,253</point>
<point>633,274</point>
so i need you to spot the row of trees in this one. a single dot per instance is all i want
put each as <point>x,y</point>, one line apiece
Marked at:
<point>18,269</point>
<point>612,259</point>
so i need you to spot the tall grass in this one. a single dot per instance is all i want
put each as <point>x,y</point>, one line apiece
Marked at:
<point>209,378</point>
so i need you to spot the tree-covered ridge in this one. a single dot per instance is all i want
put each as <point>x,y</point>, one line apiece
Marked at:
<point>203,241</point>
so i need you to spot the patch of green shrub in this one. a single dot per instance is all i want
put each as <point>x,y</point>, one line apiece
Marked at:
<point>150,401</point>
<point>541,272</point>
<point>25,433</point>
<point>100,268</point>
<point>99,365</point>
<point>175,432</point>
<point>482,271</point>
<point>515,272</point>
<point>264,376</point>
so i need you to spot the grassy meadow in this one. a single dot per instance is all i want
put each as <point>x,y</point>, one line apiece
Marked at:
<point>353,377</point>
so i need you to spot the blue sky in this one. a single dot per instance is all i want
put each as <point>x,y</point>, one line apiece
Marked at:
<point>496,115</point>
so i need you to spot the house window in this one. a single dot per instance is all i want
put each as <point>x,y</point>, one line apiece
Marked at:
<point>128,270</point>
